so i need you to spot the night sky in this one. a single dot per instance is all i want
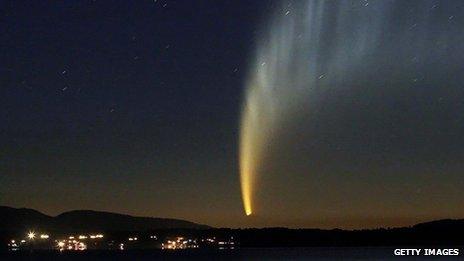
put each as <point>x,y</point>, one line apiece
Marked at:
<point>135,107</point>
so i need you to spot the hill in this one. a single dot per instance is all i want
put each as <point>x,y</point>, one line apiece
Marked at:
<point>13,219</point>
<point>20,219</point>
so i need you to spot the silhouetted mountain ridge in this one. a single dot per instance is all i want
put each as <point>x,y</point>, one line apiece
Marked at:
<point>22,218</point>
<point>14,219</point>
<point>19,219</point>
<point>441,223</point>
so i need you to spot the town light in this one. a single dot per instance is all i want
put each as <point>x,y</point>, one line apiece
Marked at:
<point>31,235</point>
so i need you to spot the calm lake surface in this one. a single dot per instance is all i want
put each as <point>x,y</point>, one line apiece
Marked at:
<point>326,253</point>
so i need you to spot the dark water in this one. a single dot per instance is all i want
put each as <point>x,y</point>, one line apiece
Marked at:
<point>327,253</point>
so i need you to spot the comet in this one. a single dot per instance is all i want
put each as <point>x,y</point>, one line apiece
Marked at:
<point>276,86</point>
<point>316,59</point>
<point>296,54</point>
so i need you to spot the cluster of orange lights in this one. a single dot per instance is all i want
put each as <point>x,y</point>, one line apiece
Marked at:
<point>72,243</point>
<point>76,243</point>
<point>179,243</point>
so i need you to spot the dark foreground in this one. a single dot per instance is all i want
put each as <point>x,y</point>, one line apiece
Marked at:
<point>297,253</point>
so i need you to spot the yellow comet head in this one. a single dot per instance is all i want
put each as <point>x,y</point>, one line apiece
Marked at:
<point>247,163</point>
<point>246,194</point>
<point>245,179</point>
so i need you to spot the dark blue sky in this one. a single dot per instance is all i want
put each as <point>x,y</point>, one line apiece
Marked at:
<point>134,107</point>
<point>123,106</point>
